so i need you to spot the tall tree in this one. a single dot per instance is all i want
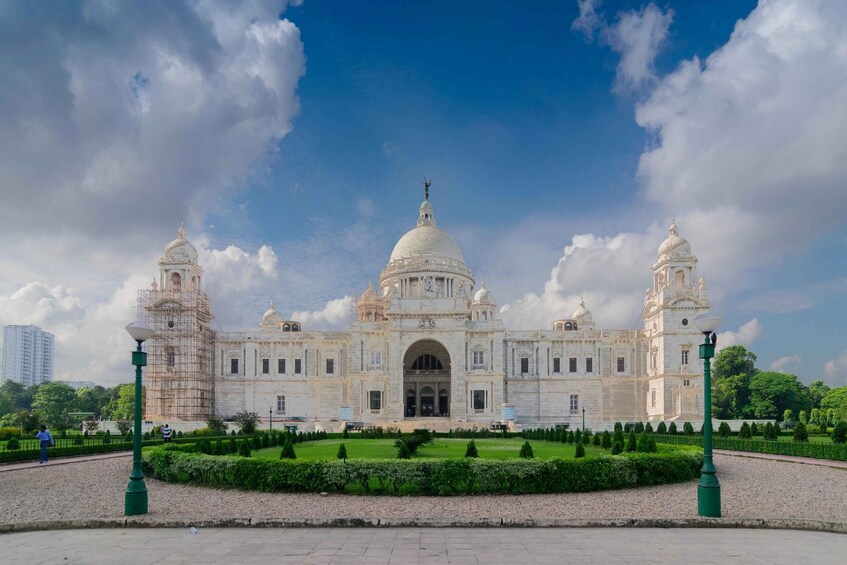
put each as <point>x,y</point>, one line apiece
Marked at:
<point>92,400</point>
<point>836,400</point>
<point>734,360</point>
<point>122,406</point>
<point>817,390</point>
<point>19,395</point>
<point>53,401</point>
<point>731,397</point>
<point>779,390</point>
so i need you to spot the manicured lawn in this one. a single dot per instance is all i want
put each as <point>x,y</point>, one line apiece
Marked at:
<point>28,443</point>
<point>439,448</point>
<point>816,439</point>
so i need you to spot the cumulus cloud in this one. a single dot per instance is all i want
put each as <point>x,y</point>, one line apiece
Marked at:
<point>745,335</point>
<point>335,315</point>
<point>588,20</point>
<point>836,370</point>
<point>783,363</point>
<point>637,37</point>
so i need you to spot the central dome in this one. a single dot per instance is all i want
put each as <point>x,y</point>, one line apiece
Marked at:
<point>426,240</point>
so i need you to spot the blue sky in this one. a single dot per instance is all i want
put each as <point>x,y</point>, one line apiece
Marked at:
<point>562,138</point>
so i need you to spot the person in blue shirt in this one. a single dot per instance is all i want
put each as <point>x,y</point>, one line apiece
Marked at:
<point>46,440</point>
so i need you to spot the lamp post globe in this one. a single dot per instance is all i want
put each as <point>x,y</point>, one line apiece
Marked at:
<point>708,488</point>
<point>135,498</point>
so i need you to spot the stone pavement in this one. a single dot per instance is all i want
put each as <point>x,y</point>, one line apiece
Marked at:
<point>788,458</point>
<point>63,461</point>
<point>423,545</point>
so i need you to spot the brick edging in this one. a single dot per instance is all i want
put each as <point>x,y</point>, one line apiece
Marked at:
<point>750,523</point>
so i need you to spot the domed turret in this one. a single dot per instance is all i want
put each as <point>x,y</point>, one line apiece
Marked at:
<point>482,306</point>
<point>483,295</point>
<point>582,315</point>
<point>179,270</point>
<point>370,307</point>
<point>180,249</point>
<point>271,316</point>
<point>674,244</point>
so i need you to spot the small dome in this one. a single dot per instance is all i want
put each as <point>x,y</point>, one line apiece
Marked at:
<point>483,296</point>
<point>180,249</point>
<point>674,244</point>
<point>582,314</point>
<point>271,316</point>
<point>369,295</point>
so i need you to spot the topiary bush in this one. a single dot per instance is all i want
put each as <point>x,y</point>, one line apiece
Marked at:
<point>745,432</point>
<point>648,428</point>
<point>631,443</point>
<point>724,430</point>
<point>580,451</point>
<point>672,428</point>
<point>244,448</point>
<point>526,451</point>
<point>288,449</point>
<point>770,432</point>
<point>639,428</point>
<point>342,452</point>
<point>643,445</point>
<point>754,429</point>
<point>606,442</point>
<point>662,428</point>
<point>618,427</point>
<point>688,429</point>
<point>471,451</point>
<point>800,432</point>
<point>617,448</point>
<point>577,437</point>
<point>13,444</point>
<point>596,441</point>
<point>839,433</point>
<point>78,440</point>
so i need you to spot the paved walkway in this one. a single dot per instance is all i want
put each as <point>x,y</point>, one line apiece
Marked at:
<point>63,461</point>
<point>424,545</point>
<point>789,458</point>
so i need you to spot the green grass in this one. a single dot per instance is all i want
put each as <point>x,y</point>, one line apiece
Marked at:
<point>28,443</point>
<point>440,448</point>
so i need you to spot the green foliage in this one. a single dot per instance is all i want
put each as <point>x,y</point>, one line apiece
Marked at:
<point>688,429</point>
<point>639,428</point>
<point>580,451</point>
<point>577,437</point>
<point>403,451</point>
<point>643,444</point>
<point>53,401</point>
<point>78,440</point>
<point>631,443</point>
<point>526,451</point>
<point>8,433</point>
<point>731,396</point>
<point>835,403</point>
<point>244,447</point>
<point>345,434</point>
<point>812,449</point>
<point>13,444</point>
<point>408,444</point>
<point>781,390</point>
<point>596,441</point>
<point>471,450</point>
<point>800,432</point>
<point>754,429</point>
<point>787,415</point>
<point>662,428</point>
<point>342,452</point>
<point>745,432</point>
<point>216,425</point>
<point>648,428</point>
<point>839,433</point>
<point>123,426</point>
<point>606,441</point>
<point>618,427</point>
<point>617,448</point>
<point>107,438</point>
<point>122,404</point>
<point>817,391</point>
<point>733,360</point>
<point>571,437</point>
<point>770,432</point>
<point>233,445</point>
<point>288,448</point>
<point>672,428</point>
<point>247,421</point>
<point>724,430</point>
<point>815,416</point>
<point>803,417</point>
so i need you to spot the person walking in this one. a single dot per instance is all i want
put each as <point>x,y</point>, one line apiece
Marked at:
<point>166,433</point>
<point>46,440</point>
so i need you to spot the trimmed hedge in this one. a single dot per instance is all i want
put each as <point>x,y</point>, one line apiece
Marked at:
<point>835,452</point>
<point>425,476</point>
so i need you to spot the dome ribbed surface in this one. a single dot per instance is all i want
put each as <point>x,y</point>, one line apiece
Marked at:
<point>426,240</point>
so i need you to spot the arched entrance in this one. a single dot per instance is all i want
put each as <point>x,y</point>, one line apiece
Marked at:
<point>426,380</point>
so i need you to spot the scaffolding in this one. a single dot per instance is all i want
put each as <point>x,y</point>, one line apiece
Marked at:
<point>179,380</point>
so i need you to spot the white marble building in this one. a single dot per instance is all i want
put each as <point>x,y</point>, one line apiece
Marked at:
<point>428,345</point>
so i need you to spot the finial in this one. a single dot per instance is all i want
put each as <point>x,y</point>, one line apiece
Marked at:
<point>180,233</point>
<point>427,183</point>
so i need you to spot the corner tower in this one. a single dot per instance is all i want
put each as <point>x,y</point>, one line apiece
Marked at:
<point>675,298</point>
<point>179,372</point>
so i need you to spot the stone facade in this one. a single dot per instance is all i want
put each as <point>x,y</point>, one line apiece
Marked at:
<point>425,347</point>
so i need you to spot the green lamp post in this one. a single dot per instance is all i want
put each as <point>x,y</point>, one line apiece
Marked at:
<point>708,489</point>
<point>135,499</point>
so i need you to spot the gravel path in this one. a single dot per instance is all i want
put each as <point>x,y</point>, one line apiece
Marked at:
<point>751,488</point>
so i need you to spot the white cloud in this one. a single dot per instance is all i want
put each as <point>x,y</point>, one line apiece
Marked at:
<point>836,370</point>
<point>335,315</point>
<point>588,20</point>
<point>783,363</point>
<point>746,335</point>
<point>637,37</point>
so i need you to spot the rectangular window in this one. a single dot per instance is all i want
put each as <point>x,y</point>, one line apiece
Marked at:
<point>686,382</point>
<point>574,406</point>
<point>375,400</point>
<point>376,359</point>
<point>478,358</point>
<point>653,398</point>
<point>266,366</point>
<point>572,365</point>
<point>479,400</point>
<point>685,357</point>
<point>280,366</point>
<point>330,366</point>
<point>621,365</point>
<point>280,405</point>
<point>589,365</point>
<point>171,358</point>
<point>298,366</point>
<point>233,366</point>
<point>524,365</point>
<point>557,365</point>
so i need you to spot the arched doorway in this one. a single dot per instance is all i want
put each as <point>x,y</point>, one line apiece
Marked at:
<point>426,380</point>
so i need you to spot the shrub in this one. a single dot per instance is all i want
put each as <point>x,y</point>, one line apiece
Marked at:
<point>745,432</point>
<point>631,443</point>
<point>342,452</point>
<point>596,441</point>
<point>288,449</point>
<point>627,428</point>
<point>345,434</point>
<point>526,451</point>
<point>639,428</point>
<point>618,436</point>
<point>688,429</point>
<point>219,448</point>
<point>107,439</point>
<point>648,428</point>
<point>244,447</point>
<point>661,428</point>
<point>247,421</point>
<point>403,451</point>
<point>577,437</point>
<point>571,437</point>
<point>580,451</point>
<point>233,445</point>
<point>13,444</point>
<point>800,432</point>
<point>586,437</point>
<point>643,445</point>
<point>123,426</point>
<point>216,426</point>
<point>410,443</point>
<point>769,432</point>
<point>839,433</point>
<point>606,442</point>
<point>617,448</point>
<point>672,428</point>
<point>146,436</point>
<point>266,441</point>
<point>257,441</point>
<point>9,433</point>
<point>815,416</point>
<point>803,417</point>
<point>754,429</point>
<point>788,415</point>
<point>470,450</point>
<point>724,430</point>
<point>618,427</point>
<point>205,446</point>
<point>822,429</point>
<point>78,440</point>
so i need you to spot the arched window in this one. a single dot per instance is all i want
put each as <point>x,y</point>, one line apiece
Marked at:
<point>176,281</point>
<point>286,327</point>
<point>568,326</point>
<point>427,362</point>
<point>680,278</point>
<point>295,327</point>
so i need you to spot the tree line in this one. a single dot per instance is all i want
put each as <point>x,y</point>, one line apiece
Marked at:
<point>741,391</point>
<point>49,403</point>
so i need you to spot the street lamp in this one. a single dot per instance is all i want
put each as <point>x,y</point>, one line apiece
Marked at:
<point>583,419</point>
<point>135,499</point>
<point>271,418</point>
<point>708,489</point>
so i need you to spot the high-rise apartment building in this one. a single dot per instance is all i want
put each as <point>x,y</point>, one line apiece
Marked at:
<point>27,355</point>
